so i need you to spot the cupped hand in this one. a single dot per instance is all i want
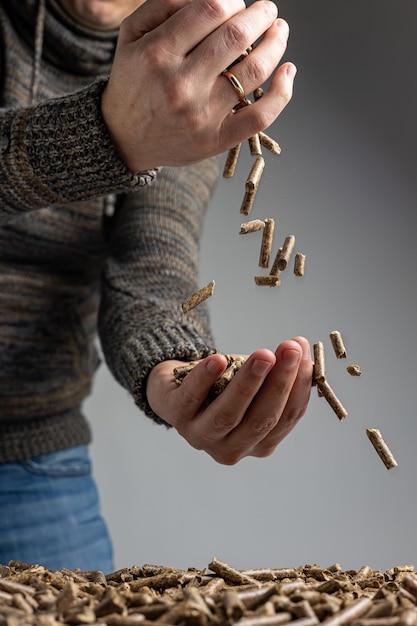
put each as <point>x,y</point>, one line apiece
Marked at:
<point>258,408</point>
<point>166,101</point>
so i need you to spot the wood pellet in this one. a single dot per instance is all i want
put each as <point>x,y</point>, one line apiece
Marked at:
<point>217,595</point>
<point>233,366</point>
<point>299,264</point>
<point>320,380</point>
<point>251,227</point>
<point>383,451</point>
<point>198,297</point>
<point>283,255</point>
<point>252,184</point>
<point>231,161</point>
<point>266,244</point>
<point>338,344</point>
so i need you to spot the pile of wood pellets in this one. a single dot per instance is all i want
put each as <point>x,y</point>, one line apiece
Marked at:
<point>219,595</point>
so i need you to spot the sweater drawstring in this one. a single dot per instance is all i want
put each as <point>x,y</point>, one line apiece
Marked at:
<point>36,70</point>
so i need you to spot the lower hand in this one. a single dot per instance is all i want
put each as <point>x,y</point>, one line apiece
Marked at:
<point>166,102</point>
<point>258,408</point>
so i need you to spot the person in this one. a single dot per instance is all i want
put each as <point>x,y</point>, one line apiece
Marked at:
<point>114,114</point>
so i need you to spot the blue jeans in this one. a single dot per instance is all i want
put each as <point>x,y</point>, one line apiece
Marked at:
<point>50,514</point>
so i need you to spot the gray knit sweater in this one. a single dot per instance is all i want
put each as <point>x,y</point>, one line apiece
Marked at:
<point>85,245</point>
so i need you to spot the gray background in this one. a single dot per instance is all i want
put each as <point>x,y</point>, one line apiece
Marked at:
<point>345,186</point>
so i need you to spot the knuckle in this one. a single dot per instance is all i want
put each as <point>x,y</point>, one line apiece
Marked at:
<point>215,9</point>
<point>223,422</point>
<point>238,36</point>
<point>263,426</point>
<point>296,414</point>
<point>258,70</point>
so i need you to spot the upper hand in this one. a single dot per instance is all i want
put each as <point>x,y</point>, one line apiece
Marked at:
<point>166,102</point>
<point>258,408</point>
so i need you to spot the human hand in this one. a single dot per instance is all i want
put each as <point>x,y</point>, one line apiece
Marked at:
<point>166,102</point>
<point>258,408</point>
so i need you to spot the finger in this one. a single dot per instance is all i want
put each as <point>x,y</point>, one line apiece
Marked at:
<point>255,68</point>
<point>252,119</point>
<point>225,413</point>
<point>231,39</point>
<point>296,405</point>
<point>195,21</point>
<point>269,404</point>
<point>194,389</point>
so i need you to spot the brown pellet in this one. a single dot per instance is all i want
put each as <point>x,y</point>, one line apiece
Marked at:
<point>338,345</point>
<point>299,264</point>
<point>383,451</point>
<point>251,227</point>
<point>266,244</point>
<point>349,614</point>
<point>330,396</point>
<point>283,255</point>
<point>247,202</point>
<point>198,297</point>
<point>254,177</point>
<point>255,145</point>
<point>268,280</point>
<point>319,366</point>
<point>231,161</point>
<point>269,144</point>
<point>258,93</point>
<point>409,583</point>
<point>230,573</point>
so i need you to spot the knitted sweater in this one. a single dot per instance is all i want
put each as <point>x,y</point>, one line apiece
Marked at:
<point>85,245</point>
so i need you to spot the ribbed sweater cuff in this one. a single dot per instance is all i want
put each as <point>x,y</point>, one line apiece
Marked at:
<point>69,155</point>
<point>157,345</point>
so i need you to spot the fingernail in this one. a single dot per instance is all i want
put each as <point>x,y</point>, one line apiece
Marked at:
<point>290,358</point>
<point>283,26</point>
<point>260,368</point>
<point>291,70</point>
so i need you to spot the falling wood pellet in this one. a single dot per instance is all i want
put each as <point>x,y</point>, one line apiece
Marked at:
<point>255,145</point>
<point>267,280</point>
<point>266,244</point>
<point>269,144</point>
<point>198,297</point>
<point>231,161</point>
<point>338,345</point>
<point>354,370</point>
<point>251,227</point>
<point>283,255</point>
<point>329,395</point>
<point>247,202</point>
<point>319,365</point>
<point>253,180</point>
<point>383,451</point>
<point>299,264</point>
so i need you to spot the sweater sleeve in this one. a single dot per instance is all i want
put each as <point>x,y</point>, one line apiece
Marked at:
<point>58,151</point>
<point>152,269</point>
